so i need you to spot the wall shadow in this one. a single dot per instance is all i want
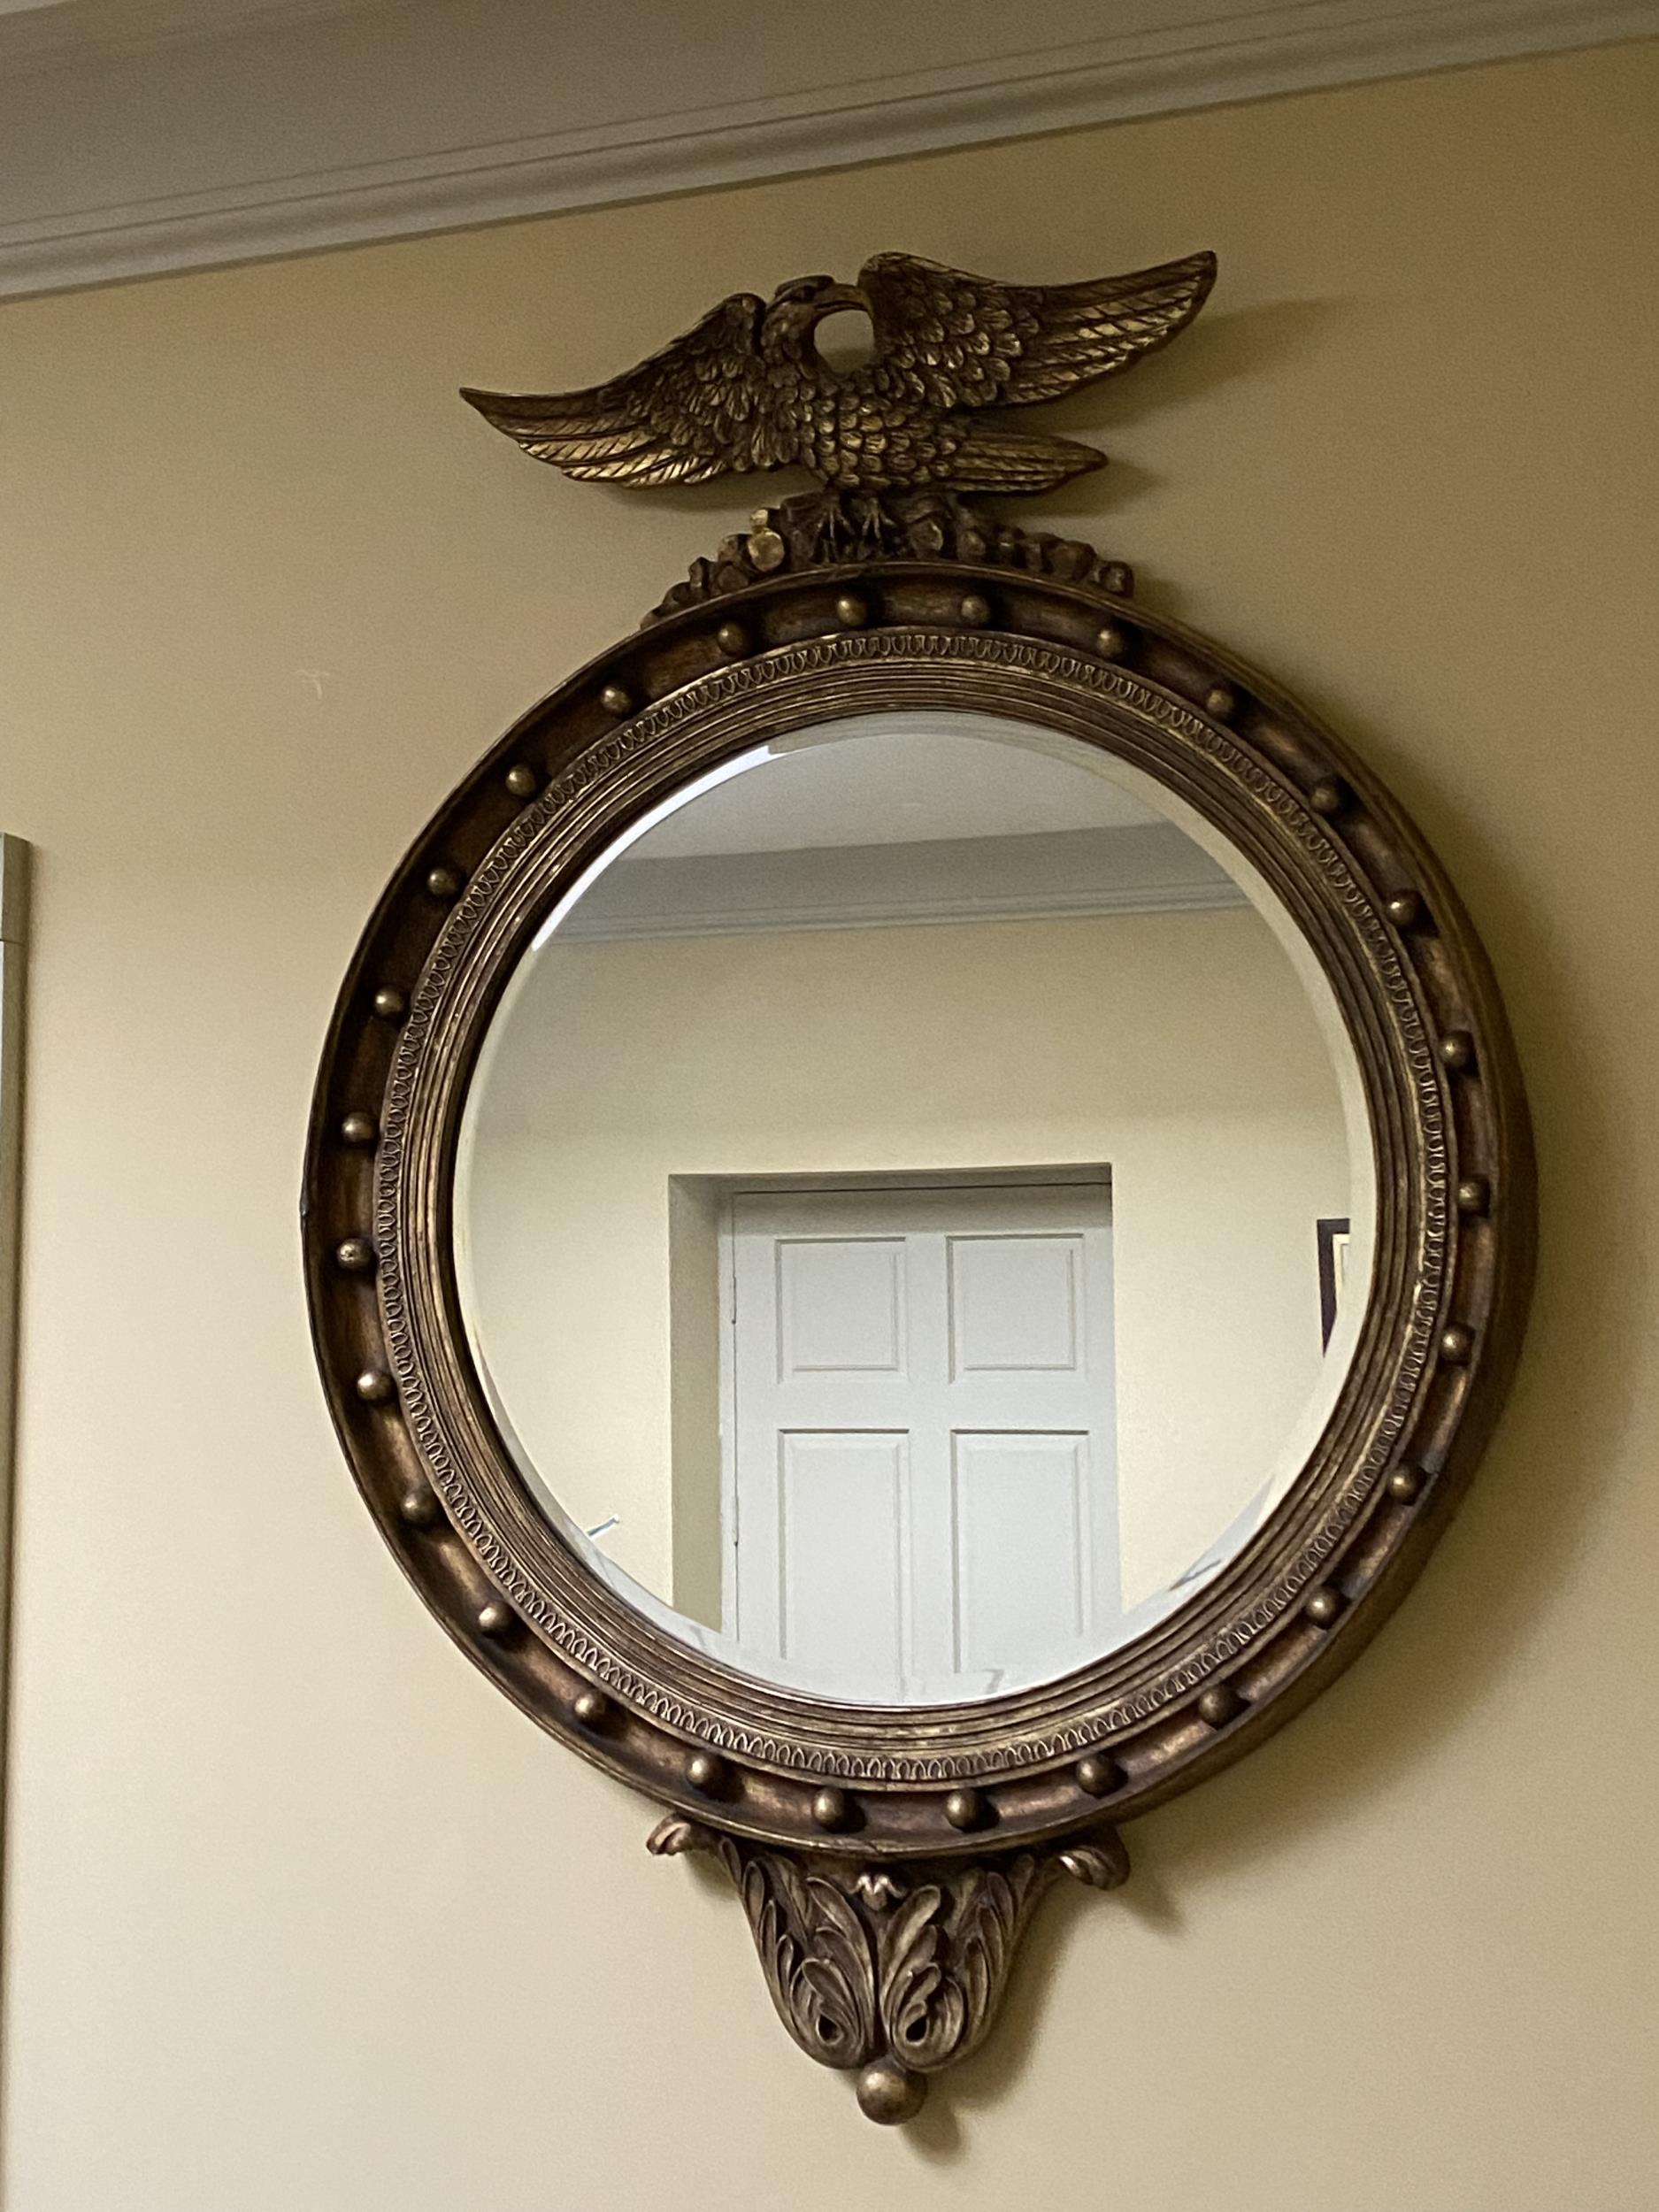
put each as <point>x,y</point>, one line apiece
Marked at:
<point>942,2132</point>
<point>1485,1596</point>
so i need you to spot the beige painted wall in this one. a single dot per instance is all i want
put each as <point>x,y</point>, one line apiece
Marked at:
<point>1179,1049</point>
<point>303,1917</point>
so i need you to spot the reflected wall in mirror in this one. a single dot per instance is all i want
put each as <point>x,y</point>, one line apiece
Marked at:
<point>887,1209</point>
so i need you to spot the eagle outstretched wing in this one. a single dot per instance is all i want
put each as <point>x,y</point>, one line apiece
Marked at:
<point>693,411</point>
<point>958,341</point>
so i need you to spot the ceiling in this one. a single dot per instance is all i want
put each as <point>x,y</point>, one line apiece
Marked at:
<point>898,786</point>
<point>147,136</point>
<point>1045,875</point>
<point>900,818</point>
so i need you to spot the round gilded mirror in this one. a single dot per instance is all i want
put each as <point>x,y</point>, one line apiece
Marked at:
<point>919,1203</point>
<point>914,1208</point>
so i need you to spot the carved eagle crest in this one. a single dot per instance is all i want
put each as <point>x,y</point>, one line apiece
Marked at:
<point>748,389</point>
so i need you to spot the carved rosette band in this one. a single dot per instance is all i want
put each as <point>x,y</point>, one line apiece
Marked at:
<point>892,1972</point>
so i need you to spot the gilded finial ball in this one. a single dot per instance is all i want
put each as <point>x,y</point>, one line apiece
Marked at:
<point>890,2093</point>
<point>442,883</point>
<point>417,1507</point>
<point>831,1809</point>
<point>592,1708</point>
<point>354,1255</point>
<point>1221,701</point>
<point>389,1005</point>
<point>852,611</point>
<point>1099,1776</point>
<point>967,1809</point>
<point>733,639</point>
<point>1321,1606</point>
<point>494,1619</point>
<point>1112,642</point>
<point>1457,1343</point>
<point>375,1387</point>
<point>1404,1485</point>
<point>358,1129</point>
<point>614,700</point>
<point>705,1771</point>
<point>1219,1704</point>
<point>1326,796</point>
<point>1474,1195</point>
<point>766,549</point>
<point>1405,909</point>
<point>520,780</point>
<point>1458,1050</point>
<point>975,609</point>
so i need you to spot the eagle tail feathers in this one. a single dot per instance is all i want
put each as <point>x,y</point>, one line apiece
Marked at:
<point>995,460</point>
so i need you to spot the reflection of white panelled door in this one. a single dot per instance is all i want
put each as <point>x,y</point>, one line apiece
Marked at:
<point>920,1432</point>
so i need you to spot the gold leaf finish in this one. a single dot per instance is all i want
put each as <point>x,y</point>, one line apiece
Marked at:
<point>746,388</point>
<point>885,1920</point>
<point>1100,1863</point>
<point>896,1975</point>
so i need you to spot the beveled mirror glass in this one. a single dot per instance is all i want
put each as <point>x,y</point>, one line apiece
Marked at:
<point>914,1208</point>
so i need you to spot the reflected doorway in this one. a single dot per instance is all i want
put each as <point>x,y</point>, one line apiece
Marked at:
<point>914,1390</point>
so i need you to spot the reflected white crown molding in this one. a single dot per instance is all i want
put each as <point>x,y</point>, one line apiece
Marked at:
<point>1170,62</point>
<point>1048,876</point>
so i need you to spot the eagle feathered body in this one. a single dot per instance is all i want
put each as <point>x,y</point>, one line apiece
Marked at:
<point>747,389</point>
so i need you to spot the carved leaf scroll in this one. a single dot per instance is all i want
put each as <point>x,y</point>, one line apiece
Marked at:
<point>873,1967</point>
<point>819,529</point>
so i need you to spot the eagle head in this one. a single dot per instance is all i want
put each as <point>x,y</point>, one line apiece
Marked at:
<point>796,309</point>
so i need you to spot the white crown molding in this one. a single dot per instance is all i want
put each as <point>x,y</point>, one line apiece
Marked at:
<point>431,172</point>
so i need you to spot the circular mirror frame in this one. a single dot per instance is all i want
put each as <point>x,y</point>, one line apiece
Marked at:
<point>745,657</point>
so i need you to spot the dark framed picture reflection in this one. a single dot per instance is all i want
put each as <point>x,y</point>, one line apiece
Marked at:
<point>1334,1237</point>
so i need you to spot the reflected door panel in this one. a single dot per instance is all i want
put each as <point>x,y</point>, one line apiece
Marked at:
<point>920,1430</point>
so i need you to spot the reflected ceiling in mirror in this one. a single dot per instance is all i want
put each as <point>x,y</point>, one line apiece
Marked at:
<point>914,1209</point>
